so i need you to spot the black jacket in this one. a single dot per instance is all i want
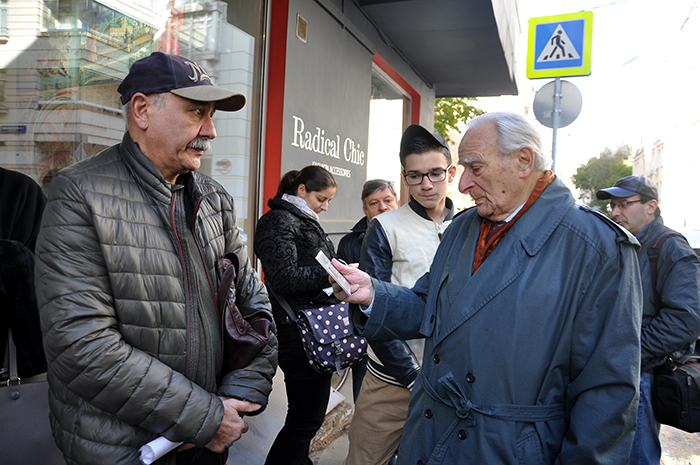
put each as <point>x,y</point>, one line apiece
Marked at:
<point>22,203</point>
<point>676,325</point>
<point>350,246</point>
<point>286,242</point>
<point>18,310</point>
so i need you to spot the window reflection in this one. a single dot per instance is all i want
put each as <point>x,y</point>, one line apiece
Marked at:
<point>58,88</point>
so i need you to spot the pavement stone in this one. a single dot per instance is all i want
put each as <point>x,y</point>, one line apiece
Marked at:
<point>679,447</point>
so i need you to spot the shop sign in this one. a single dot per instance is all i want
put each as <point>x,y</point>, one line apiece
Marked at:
<point>327,145</point>
<point>13,129</point>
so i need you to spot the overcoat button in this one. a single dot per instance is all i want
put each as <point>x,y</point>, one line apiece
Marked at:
<point>462,435</point>
<point>420,462</point>
<point>470,378</point>
<point>428,414</point>
<point>432,318</point>
<point>436,358</point>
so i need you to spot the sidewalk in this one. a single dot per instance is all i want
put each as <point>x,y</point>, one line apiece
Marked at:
<point>326,449</point>
<point>679,447</point>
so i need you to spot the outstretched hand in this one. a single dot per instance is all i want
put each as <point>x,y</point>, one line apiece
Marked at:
<point>362,287</point>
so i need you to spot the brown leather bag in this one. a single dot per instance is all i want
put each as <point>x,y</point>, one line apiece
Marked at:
<point>245,330</point>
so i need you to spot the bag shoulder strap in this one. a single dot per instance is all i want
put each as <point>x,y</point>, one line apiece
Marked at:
<point>689,358</point>
<point>653,254</point>
<point>283,303</point>
<point>14,379</point>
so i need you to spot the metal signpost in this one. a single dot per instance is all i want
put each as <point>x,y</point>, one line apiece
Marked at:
<point>559,46</point>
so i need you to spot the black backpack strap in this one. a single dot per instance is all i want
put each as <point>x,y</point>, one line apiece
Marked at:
<point>653,254</point>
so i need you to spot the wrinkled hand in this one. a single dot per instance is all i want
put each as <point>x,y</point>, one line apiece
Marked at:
<point>361,284</point>
<point>232,426</point>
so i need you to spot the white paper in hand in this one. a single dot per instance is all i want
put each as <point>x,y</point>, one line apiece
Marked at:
<point>335,274</point>
<point>156,449</point>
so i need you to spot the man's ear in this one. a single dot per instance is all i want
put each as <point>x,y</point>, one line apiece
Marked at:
<point>451,173</point>
<point>140,105</point>
<point>650,206</point>
<point>525,157</point>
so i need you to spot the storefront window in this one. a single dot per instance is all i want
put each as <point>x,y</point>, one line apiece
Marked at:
<point>389,111</point>
<point>59,84</point>
<point>3,21</point>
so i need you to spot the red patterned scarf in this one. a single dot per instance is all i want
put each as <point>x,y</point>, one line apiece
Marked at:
<point>490,236</point>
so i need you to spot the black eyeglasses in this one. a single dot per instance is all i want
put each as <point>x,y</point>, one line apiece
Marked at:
<point>621,205</point>
<point>436,175</point>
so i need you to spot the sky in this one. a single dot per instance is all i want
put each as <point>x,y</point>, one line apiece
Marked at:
<point>644,79</point>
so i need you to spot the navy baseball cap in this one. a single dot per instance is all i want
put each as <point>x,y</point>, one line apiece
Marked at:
<point>416,130</point>
<point>629,186</point>
<point>160,72</point>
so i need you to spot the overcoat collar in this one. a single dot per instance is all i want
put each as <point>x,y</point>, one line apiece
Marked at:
<point>468,294</point>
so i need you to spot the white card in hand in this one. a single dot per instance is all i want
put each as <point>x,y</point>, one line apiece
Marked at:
<point>335,274</point>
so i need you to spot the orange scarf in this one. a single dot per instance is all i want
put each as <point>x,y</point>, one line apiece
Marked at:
<point>490,236</point>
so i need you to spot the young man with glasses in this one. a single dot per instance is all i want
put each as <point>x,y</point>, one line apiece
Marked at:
<point>671,327</point>
<point>399,247</point>
<point>378,196</point>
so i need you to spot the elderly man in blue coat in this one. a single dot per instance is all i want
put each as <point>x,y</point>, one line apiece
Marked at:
<point>531,312</point>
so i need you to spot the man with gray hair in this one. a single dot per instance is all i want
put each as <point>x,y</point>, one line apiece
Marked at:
<point>378,196</point>
<point>531,314</point>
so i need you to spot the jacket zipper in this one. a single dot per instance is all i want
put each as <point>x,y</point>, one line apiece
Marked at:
<point>219,315</point>
<point>187,286</point>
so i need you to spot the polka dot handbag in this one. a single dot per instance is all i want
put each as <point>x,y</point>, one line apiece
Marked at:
<point>326,336</point>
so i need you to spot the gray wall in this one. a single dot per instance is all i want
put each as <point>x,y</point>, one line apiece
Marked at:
<point>327,90</point>
<point>327,93</point>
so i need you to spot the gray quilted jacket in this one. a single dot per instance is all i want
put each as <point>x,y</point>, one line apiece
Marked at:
<point>113,289</point>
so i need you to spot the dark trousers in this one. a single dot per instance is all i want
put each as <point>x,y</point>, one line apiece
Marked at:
<point>307,399</point>
<point>359,369</point>
<point>199,456</point>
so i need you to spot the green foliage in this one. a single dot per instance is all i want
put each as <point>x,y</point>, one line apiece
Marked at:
<point>449,112</point>
<point>601,172</point>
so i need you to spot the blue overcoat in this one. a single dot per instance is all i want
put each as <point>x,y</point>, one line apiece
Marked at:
<point>533,359</point>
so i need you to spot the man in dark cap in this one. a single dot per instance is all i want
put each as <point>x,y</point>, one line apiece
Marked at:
<point>671,304</point>
<point>126,283</point>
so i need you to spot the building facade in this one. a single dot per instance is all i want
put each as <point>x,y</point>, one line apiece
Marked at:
<point>329,82</point>
<point>667,152</point>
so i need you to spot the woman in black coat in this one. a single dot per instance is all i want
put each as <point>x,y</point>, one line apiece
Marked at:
<point>287,239</point>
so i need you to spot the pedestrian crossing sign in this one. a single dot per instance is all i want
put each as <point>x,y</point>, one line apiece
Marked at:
<point>560,45</point>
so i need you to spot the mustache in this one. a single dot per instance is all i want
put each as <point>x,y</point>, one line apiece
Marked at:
<point>199,143</point>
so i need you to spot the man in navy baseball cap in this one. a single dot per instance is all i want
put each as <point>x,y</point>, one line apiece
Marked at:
<point>169,102</point>
<point>629,186</point>
<point>160,73</point>
<point>634,202</point>
<point>137,352</point>
<point>670,274</point>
